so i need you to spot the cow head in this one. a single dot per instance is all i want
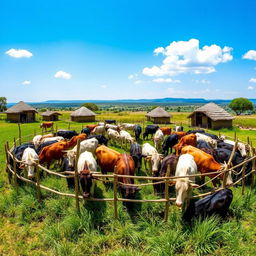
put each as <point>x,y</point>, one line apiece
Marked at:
<point>156,161</point>
<point>85,179</point>
<point>71,155</point>
<point>242,149</point>
<point>128,191</point>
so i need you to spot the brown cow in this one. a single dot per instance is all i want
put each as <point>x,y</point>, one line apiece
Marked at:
<point>91,126</point>
<point>205,163</point>
<point>166,130</point>
<point>46,125</point>
<point>180,134</point>
<point>189,139</point>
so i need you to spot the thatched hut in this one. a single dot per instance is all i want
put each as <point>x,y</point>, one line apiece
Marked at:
<point>21,113</point>
<point>211,116</point>
<point>50,115</point>
<point>158,116</point>
<point>83,114</point>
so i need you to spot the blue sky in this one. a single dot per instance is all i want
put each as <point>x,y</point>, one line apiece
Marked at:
<point>127,49</point>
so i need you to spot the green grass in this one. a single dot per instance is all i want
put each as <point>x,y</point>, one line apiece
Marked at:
<point>52,226</point>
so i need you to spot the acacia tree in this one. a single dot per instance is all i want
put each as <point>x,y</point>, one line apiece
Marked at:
<point>239,105</point>
<point>3,102</point>
<point>91,106</point>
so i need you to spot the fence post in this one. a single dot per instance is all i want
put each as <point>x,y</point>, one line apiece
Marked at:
<point>7,163</point>
<point>76,176</point>
<point>115,194</point>
<point>38,190</point>
<point>19,133</point>
<point>243,181</point>
<point>248,140</point>
<point>56,127</point>
<point>14,142</point>
<point>253,169</point>
<point>166,194</point>
<point>15,170</point>
<point>235,136</point>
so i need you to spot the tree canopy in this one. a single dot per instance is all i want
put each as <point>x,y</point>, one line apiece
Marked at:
<point>3,102</point>
<point>240,105</point>
<point>90,106</point>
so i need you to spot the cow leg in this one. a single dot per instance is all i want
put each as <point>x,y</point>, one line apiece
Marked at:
<point>145,164</point>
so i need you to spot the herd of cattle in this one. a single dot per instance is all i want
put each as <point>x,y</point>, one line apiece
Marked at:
<point>195,151</point>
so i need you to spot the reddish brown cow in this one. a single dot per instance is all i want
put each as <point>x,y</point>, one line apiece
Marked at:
<point>166,130</point>
<point>91,126</point>
<point>205,163</point>
<point>46,125</point>
<point>180,134</point>
<point>189,139</point>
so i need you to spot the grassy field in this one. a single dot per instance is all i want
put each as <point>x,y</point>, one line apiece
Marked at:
<point>52,227</point>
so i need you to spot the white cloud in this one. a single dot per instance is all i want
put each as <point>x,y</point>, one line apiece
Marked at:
<point>250,88</point>
<point>19,53</point>
<point>165,80</point>
<point>62,74</point>
<point>250,55</point>
<point>202,81</point>
<point>103,86</point>
<point>186,57</point>
<point>138,81</point>
<point>132,76</point>
<point>252,80</point>
<point>26,82</point>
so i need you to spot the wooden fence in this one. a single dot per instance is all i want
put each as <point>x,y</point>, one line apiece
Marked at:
<point>114,179</point>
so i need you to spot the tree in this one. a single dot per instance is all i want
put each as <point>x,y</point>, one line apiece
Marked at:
<point>90,106</point>
<point>239,105</point>
<point>3,102</point>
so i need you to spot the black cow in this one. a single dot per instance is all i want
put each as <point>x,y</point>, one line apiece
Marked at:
<point>66,167</point>
<point>136,154</point>
<point>86,130</point>
<point>100,138</point>
<point>225,145</point>
<point>213,136</point>
<point>195,131</point>
<point>202,144</point>
<point>169,142</point>
<point>110,121</point>
<point>150,129</point>
<point>137,131</point>
<point>215,204</point>
<point>48,143</point>
<point>66,134</point>
<point>171,160</point>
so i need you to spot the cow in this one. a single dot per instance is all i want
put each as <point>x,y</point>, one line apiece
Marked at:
<point>151,156</point>
<point>101,124</point>
<point>206,164</point>
<point>180,134</point>
<point>241,147</point>
<point>41,146</point>
<point>189,139</point>
<point>196,131</point>
<point>136,154</point>
<point>110,121</point>
<point>89,145</point>
<point>166,130</point>
<point>44,140</point>
<point>74,139</point>
<point>101,139</point>
<point>113,127</point>
<point>158,139</point>
<point>209,140</point>
<point>129,127</point>
<point>86,130</point>
<point>170,160</point>
<point>106,158</point>
<point>18,151</point>
<point>113,135</point>
<point>150,129</point>
<point>137,132</point>
<point>100,130</point>
<point>169,142</point>
<point>91,126</point>
<point>178,128</point>
<point>186,166</point>
<point>66,134</point>
<point>46,125</point>
<point>202,144</point>
<point>211,151</point>
<point>216,204</point>
<point>213,136</point>
<point>29,160</point>
<point>37,139</point>
<point>125,137</point>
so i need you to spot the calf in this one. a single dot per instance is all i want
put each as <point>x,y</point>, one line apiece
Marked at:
<point>185,166</point>
<point>137,132</point>
<point>101,139</point>
<point>158,139</point>
<point>150,129</point>
<point>66,134</point>
<point>215,204</point>
<point>29,160</point>
<point>169,142</point>
<point>136,154</point>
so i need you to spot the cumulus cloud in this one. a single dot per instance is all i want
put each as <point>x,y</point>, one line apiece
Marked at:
<point>252,80</point>
<point>186,57</point>
<point>26,82</point>
<point>62,74</point>
<point>132,76</point>
<point>103,86</point>
<point>19,53</point>
<point>165,80</point>
<point>250,88</point>
<point>250,55</point>
<point>202,81</point>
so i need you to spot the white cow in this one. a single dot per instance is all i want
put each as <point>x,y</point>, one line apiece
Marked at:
<point>125,137</point>
<point>178,128</point>
<point>99,130</point>
<point>88,158</point>
<point>186,166</point>
<point>113,135</point>
<point>213,143</point>
<point>29,156</point>
<point>112,126</point>
<point>38,138</point>
<point>151,156</point>
<point>158,139</point>
<point>240,146</point>
<point>58,138</point>
<point>89,145</point>
<point>127,126</point>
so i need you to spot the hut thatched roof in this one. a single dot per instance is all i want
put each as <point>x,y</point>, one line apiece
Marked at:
<point>50,113</point>
<point>158,112</point>
<point>19,108</point>
<point>83,111</point>
<point>214,112</point>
